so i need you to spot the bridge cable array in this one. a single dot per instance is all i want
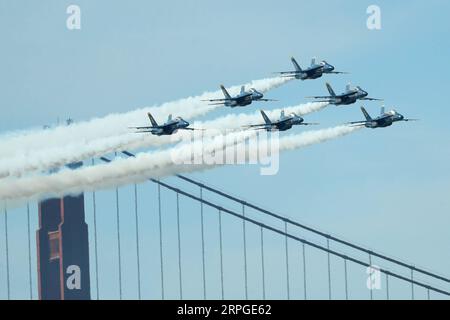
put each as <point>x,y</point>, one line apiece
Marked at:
<point>297,224</point>
<point>286,220</point>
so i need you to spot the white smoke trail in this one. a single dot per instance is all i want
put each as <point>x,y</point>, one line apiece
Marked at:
<point>117,124</point>
<point>142,167</point>
<point>48,158</point>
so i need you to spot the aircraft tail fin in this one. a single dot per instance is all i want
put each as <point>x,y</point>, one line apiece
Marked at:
<point>330,90</point>
<point>225,92</point>
<point>366,114</point>
<point>169,117</point>
<point>296,65</point>
<point>348,87</point>
<point>152,120</point>
<point>382,110</point>
<point>313,61</point>
<point>242,89</point>
<point>265,117</point>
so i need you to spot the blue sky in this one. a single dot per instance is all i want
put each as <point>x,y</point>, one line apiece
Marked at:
<point>386,189</point>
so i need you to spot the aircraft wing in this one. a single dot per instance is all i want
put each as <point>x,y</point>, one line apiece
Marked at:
<point>339,72</point>
<point>216,103</point>
<point>287,72</point>
<point>262,126</point>
<point>357,123</point>
<point>140,127</point>
<point>309,123</point>
<point>266,99</point>
<point>354,122</point>
<point>192,129</point>
<point>411,119</point>
<point>372,99</point>
<point>255,125</point>
<point>327,101</point>
<point>212,100</point>
<point>319,97</point>
<point>146,127</point>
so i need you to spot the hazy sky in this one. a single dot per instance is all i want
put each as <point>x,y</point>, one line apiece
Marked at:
<point>386,189</point>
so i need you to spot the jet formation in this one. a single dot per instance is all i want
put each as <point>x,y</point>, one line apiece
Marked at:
<point>285,122</point>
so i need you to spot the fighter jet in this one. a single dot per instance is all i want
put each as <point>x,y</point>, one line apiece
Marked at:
<point>244,98</point>
<point>351,95</point>
<point>316,70</point>
<point>283,124</point>
<point>385,119</point>
<point>169,127</point>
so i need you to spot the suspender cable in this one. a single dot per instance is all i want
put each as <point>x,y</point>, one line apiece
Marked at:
<point>203,244</point>
<point>137,241</point>
<point>370,276</point>
<point>29,252</point>
<point>7,256</point>
<point>346,279</point>
<point>245,254</point>
<point>287,261</point>
<point>304,271</point>
<point>412,284</point>
<point>94,205</point>
<point>95,244</point>
<point>262,265</point>
<point>118,243</point>
<point>179,247</point>
<point>160,243</point>
<point>221,253</point>
<point>329,269</point>
<point>387,286</point>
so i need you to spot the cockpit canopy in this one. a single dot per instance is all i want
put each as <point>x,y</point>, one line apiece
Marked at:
<point>392,112</point>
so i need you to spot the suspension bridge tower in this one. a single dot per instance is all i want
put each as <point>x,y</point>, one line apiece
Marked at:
<point>63,248</point>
